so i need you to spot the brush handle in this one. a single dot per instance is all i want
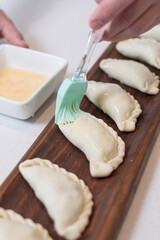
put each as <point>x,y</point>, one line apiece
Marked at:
<point>93,39</point>
<point>82,68</point>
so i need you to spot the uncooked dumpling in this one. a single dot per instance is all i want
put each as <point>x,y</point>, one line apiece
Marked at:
<point>67,199</point>
<point>14,227</point>
<point>154,33</point>
<point>99,142</point>
<point>116,102</point>
<point>147,50</point>
<point>131,73</point>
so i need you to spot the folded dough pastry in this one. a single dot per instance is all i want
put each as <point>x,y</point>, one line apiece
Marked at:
<point>116,102</point>
<point>154,33</point>
<point>131,73</point>
<point>99,142</point>
<point>14,226</point>
<point>147,50</point>
<point>67,199</point>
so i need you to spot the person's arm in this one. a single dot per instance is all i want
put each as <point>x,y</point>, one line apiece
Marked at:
<point>125,18</point>
<point>9,31</point>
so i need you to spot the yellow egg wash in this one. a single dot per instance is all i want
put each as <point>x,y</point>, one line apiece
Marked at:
<point>19,84</point>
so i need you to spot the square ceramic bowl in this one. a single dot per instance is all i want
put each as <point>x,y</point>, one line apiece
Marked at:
<point>33,61</point>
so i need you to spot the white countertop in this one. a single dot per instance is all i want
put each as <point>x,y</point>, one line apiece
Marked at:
<point>60,27</point>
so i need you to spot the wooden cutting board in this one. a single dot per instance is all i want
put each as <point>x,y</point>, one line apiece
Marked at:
<point>112,195</point>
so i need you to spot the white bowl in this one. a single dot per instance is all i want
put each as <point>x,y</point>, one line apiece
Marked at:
<point>34,61</point>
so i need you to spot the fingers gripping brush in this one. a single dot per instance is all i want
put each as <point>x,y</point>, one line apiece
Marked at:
<point>72,90</point>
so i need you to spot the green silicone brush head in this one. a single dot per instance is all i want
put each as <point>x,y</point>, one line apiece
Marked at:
<point>69,97</point>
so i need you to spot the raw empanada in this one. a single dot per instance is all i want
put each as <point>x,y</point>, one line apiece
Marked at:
<point>154,33</point>
<point>116,102</point>
<point>131,73</point>
<point>14,226</point>
<point>147,50</point>
<point>100,143</point>
<point>67,199</point>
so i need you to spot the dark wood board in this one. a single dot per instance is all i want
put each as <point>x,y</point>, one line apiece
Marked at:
<point>112,195</point>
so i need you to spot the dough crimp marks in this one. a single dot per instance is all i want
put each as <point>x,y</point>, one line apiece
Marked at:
<point>129,124</point>
<point>153,88</point>
<point>13,216</point>
<point>73,231</point>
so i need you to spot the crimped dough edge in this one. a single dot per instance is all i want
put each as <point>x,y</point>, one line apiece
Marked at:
<point>129,124</point>
<point>75,230</point>
<point>104,169</point>
<point>155,63</point>
<point>15,217</point>
<point>151,89</point>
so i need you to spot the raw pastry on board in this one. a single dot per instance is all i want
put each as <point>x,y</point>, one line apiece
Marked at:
<point>99,142</point>
<point>144,49</point>
<point>14,227</point>
<point>116,102</point>
<point>131,73</point>
<point>66,197</point>
<point>154,33</point>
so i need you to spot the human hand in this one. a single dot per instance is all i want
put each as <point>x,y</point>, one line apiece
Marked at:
<point>125,18</point>
<point>9,31</point>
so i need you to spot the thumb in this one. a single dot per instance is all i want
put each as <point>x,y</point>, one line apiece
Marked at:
<point>105,11</point>
<point>9,31</point>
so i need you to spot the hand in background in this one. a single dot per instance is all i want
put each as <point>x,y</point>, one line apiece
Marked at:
<point>9,31</point>
<point>125,18</point>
